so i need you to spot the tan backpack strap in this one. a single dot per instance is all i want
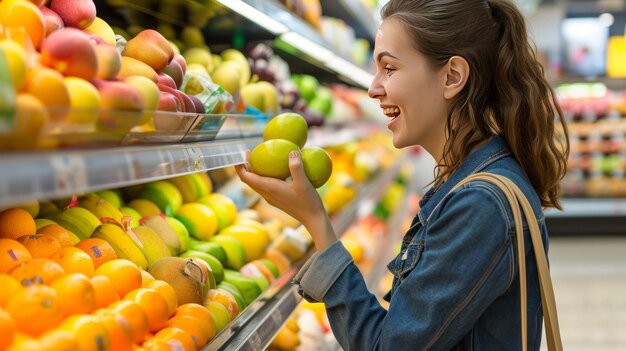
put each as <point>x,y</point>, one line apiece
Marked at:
<point>516,198</point>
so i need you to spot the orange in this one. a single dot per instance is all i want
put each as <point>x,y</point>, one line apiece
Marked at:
<point>89,332</point>
<point>40,246</point>
<point>9,288</point>
<point>153,304</point>
<point>226,299</point>
<point>146,278</point>
<point>201,315</point>
<point>30,123</point>
<point>176,337</point>
<point>37,271</point>
<point>168,293</point>
<point>104,291</point>
<point>99,250</point>
<point>192,328</point>
<point>16,222</point>
<point>7,329</point>
<point>280,260</point>
<point>35,310</point>
<point>48,86</point>
<point>264,270</point>
<point>24,342</point>
<point>56,231</point>
<point>118,328</point>
<point>58,339</point>
<point>123,274</point>
<point>74,260</point>
<point>135,316</point>
<point>76,294</point>
<point>22,14</point>
<point>12,253</point>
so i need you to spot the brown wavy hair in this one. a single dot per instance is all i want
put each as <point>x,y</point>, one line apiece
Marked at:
<point>506,93</point>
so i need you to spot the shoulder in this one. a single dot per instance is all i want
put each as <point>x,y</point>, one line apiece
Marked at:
<point>476,199</point>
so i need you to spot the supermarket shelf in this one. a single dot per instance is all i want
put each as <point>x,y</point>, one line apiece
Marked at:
<point>300,39</point>
<point>367,197</point>
<point>355,14</point>
<point>337,134</point>
<point>395,226</point>
<point>589,216</point>
<point>581,207</point>
<point>256,327</point>
<point>55,174</point>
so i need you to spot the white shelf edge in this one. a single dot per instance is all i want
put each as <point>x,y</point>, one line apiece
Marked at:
<point>55,174</point>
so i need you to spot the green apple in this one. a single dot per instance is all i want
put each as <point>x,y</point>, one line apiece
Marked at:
<point>271,158</point>
<point>213,249</point>
<point>308,86</point>
<point>164,194</point>
<point>235,253</point>
<point>216,266</point>
<point>289,126</point>
<point>317,165</point>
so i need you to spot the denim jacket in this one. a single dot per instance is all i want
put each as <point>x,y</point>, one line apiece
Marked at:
<point>455,283</point>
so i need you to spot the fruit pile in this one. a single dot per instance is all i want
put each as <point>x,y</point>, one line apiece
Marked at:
<point>168,262</point>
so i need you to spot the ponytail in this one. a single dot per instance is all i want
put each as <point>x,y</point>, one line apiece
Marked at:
<point>525,106</point>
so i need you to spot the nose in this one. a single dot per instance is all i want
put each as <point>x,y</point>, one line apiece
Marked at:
<point>376,90</point>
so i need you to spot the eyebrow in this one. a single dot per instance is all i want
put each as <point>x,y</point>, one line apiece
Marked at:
<point>384,53</point>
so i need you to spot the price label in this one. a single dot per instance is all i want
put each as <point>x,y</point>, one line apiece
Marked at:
<point>69,173</point>
<point>278,318</point>
<point>255,342</point>
<point>196,159</point>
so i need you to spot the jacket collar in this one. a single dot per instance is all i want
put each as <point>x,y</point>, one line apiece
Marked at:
<point>476,161</point>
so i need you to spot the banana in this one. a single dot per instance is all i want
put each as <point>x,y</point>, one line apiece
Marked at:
<point>124,246</point>
<point>100,207</point>
<point>165,231</point>
<point>154,248</point>
<point>77,220</point>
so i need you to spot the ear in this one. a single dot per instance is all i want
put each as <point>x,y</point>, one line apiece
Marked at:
<point>457,71</point>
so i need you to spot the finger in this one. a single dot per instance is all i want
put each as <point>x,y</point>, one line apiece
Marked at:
<point>296,168</point>
<point>242,172</point>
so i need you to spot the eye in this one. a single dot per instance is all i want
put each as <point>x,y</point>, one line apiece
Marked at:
<point>388,70</point>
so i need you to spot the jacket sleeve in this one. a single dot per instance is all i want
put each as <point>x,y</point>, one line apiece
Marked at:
<point>467,262</point>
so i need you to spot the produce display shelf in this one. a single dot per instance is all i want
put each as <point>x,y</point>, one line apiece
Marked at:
<point>292,31</point>
<point>355,14</point>
<point>256,327</point>
<point>585,216</point>
<point>341,133</point>
<point>26,176</point>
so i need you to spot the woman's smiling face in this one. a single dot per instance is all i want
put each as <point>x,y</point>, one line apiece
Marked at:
<point>410,90</point>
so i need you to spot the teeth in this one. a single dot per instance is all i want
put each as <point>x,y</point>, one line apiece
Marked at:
<point>391,110</point>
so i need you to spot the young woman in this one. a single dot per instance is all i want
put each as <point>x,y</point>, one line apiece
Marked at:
<point>460,78</point>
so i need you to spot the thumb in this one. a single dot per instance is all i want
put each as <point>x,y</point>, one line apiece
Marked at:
<point>296,168</point>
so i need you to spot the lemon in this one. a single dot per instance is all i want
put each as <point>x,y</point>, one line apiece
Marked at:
<point>16,58</point>
<point>84,101</point>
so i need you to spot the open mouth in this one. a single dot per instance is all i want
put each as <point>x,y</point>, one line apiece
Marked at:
<point>391,112</point>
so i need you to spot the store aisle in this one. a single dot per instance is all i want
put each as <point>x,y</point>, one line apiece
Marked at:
<point>589,276</point>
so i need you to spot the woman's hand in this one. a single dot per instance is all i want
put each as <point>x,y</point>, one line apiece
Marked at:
<point>297,198</point>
